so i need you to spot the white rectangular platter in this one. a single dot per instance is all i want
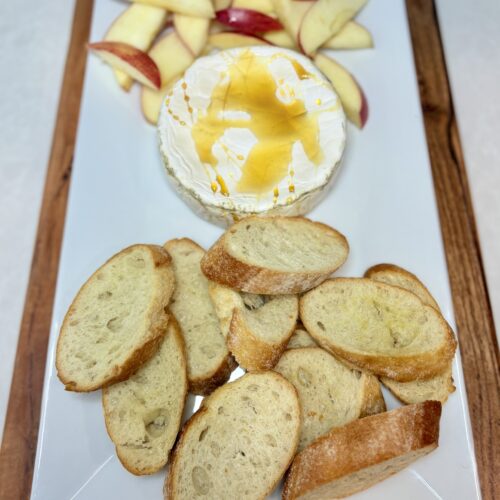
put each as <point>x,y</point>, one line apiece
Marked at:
<point>383,201</point>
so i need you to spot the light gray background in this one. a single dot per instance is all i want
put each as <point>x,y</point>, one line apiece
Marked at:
<point>34,37</point>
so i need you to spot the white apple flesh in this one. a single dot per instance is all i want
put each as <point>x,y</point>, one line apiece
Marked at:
<point>325,19</point>
<point>291,13</point>
<point>280,39</point>
<point>138,26</point>
<point>348,89</point>
<point>132,61</point>
<point>198,8</point>
<point>230,40</point>
<point>171,56</point>
<point>152,100</point>
<point>352,36</point>
<point>264,6</point>
<point>193,31</point>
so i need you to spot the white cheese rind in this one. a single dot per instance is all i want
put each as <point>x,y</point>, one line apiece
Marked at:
<point>193,180</point>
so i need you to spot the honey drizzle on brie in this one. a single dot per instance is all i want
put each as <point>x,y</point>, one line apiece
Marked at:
<point>250,87</point>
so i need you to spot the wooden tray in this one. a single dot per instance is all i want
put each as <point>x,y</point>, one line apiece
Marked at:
<point>476,332</point>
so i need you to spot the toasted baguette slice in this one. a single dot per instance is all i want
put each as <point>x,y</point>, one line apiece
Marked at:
<point>260,326</point>
<point>354,457</point>
<point>258,337</point>
<point>330,394</point>
<point>239,443</point>
<point>275,255</point>
<point>300,338</point>
<point>117,319</point>
<point>143,414</point>
<point>225,300</point>
<point>397,276</point>
<point>208,359</point>
<point>380,328</point>
<point>438,387</point>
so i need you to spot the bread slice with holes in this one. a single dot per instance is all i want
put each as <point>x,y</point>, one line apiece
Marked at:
<point>239,443</point>
<point>354,457</point>
<point>260,326</point>
<point>438,387</point>
<point>300,338</point>
<point>397,276</point>
<point>117,319</point>
<point>208,359</point>
<point>330,394</point>
<point>143,414</point>
<point>379,328</point>
<point>275,255</point>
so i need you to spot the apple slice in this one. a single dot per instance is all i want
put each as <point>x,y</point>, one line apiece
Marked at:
<point>280,39</point>
<point>324,20</point>
<point>171,56</point>
<point>230,40</point>
<point>138,26</point>
<point>193,31</point>
<point>151,101</point>
<point>290,13</point>
<point>134,62</point>
<point>349,91</point>
<point>351,36</point>
<point>216,27</point>
<point>264,6</point>
<point>222,4</point>
<point>248,21</point>
<point>197,8</point>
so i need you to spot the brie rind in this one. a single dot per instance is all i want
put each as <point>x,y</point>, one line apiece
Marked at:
<point>195,180</point>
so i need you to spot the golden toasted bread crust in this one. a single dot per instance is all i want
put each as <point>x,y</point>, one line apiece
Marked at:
<point>176,332</point>
<point>220,375</point>
<point>361,444</point>
<point>401,367</point>
<point>158,325</point>
<point>170,485</point>
<point>220,266</point>
<point>252,353</point>
<point>378,271</point>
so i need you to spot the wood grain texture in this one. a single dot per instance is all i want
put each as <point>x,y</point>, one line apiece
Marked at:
<point>473,314</point>
<point>476,332</point>
<point>17,453</point>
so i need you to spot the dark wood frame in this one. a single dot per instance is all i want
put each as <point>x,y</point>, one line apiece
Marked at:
<point>476,331</point>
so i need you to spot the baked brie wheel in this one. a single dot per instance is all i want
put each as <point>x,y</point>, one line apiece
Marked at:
<point>252,130</point>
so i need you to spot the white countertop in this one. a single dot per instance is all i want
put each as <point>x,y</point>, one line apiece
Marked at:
<point>36,35</point>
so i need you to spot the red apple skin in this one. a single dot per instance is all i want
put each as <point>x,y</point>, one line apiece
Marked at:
<point>364,111</point>
<point>136,58</point>
<point>248,21</point>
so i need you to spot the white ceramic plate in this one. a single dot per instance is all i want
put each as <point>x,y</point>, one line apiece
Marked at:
<point>383,201</point>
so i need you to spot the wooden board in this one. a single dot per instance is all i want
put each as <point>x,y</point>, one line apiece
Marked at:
<point>474,320</point>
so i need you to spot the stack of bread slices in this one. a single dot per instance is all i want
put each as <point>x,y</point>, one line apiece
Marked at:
<point>154,323</point>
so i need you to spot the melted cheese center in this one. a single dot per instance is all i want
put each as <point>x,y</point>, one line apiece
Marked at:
<point>249,87</point>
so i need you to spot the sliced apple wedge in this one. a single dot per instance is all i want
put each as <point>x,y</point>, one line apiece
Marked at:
<point>134,62</point>
<point>198,8</point>
<point>171,56</point>
<point>324,20</point>
<point>264,6</point>
<point>138,26</point>
<point>291,13</point>
<point>280,39</point>
<point>222,4</point>
<point>352,36</point>
<point>151,101</point>
<point>193,31</point>
<point>348,89</point>
<point>230,40</point>
<point>248,21</point>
